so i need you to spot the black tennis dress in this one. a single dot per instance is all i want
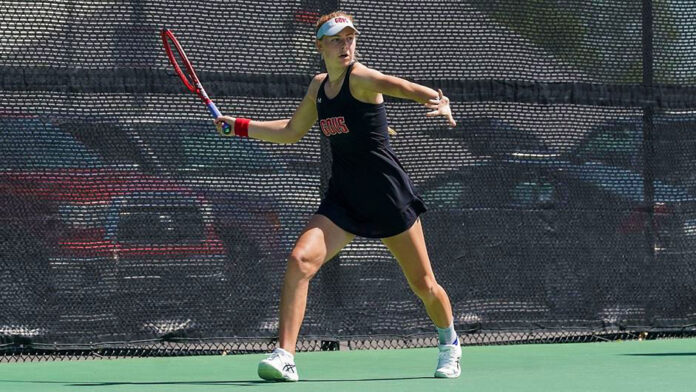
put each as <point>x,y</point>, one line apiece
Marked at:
<point>369,193</point>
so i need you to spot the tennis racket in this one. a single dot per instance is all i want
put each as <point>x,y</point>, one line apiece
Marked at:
<point>189,77</point>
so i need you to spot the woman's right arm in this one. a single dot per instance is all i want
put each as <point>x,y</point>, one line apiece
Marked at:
<point>284,131</point>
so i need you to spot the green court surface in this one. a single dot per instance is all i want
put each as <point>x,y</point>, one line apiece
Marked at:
<point>655,365</point>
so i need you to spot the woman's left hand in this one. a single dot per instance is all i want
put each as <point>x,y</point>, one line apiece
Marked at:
<point>441,107</point>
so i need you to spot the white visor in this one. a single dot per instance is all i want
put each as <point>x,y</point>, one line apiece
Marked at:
<point>334,26</point>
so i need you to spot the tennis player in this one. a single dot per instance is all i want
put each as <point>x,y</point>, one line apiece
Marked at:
<point>369,192</point>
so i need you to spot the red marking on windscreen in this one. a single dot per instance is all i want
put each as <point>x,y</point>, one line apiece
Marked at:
<point>308,17</point>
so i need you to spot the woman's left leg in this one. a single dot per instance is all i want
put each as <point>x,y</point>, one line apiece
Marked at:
<point>409,250</point>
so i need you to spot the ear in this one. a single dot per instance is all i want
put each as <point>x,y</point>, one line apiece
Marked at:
<point>318,45</point>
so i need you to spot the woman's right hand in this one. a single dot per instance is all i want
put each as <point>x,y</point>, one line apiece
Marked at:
<point>224,120</point>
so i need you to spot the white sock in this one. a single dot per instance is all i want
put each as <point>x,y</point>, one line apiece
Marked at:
<point>447,335</point>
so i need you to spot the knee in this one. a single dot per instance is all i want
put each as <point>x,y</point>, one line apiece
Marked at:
<point>424,287</point>
<point>302,264</point>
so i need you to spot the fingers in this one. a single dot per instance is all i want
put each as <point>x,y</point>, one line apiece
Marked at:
<point>224,120</point>
<point>218,124</point>
<point>437,102</point>
<point>451,121</point>
<point>227,119</point>
<point>440,107</point>
<point>433,103</point>
<point>221,121</point>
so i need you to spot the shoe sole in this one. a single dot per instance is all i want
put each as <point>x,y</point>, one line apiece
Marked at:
<point>443,375</point>
<point>269,373</point>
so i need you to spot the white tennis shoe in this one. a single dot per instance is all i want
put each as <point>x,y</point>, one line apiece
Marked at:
<point>279,366</point>
<point>448,361</point>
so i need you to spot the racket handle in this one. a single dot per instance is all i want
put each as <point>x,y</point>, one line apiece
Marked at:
<point>226,129</point>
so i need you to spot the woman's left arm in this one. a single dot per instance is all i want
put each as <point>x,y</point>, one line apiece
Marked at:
<point>370,79</point>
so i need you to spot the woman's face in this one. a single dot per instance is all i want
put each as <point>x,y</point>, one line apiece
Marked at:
<point>338,49</point>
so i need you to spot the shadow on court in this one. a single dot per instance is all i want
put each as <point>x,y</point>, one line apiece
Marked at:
<point>243,383</point>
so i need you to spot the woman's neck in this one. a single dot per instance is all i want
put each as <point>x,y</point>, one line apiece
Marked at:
<point>336,73</point>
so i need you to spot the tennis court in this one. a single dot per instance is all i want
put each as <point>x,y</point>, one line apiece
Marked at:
<point>656,365</point>
<point>561,208</point>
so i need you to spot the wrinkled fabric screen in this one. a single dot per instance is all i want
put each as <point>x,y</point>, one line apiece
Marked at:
<point>562,204</point>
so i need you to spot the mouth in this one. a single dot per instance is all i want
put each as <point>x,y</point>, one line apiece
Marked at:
<point>343,56</point>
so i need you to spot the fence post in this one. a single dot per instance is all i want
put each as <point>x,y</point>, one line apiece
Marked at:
<point>648,128</point>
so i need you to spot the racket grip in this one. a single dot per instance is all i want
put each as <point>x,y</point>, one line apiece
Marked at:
<point>226,129</point>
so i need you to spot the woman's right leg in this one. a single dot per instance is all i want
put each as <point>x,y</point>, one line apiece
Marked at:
<point>318,243</point>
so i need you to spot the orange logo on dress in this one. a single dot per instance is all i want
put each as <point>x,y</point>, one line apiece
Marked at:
<point>333,126</point>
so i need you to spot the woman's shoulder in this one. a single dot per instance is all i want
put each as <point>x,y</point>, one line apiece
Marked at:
<point>317,79</point>
<point>363,78</point>
<point>315,84</point>
<point>361,73</point>
<point>360,69</point>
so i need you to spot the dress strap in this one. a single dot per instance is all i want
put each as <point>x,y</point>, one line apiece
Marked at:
<point>321,92</point>
<point>345,87</point>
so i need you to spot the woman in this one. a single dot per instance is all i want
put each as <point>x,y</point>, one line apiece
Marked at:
<point>369,192</point>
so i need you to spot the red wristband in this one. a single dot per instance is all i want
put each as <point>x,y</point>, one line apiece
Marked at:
<point>241,127</point>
